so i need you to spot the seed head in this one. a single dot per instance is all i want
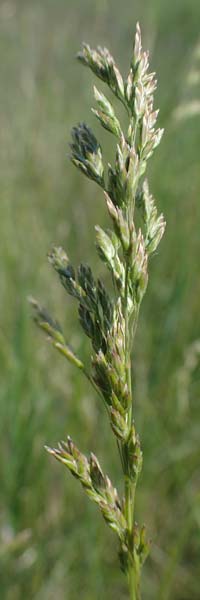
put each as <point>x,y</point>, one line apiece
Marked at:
<point>86,153</point>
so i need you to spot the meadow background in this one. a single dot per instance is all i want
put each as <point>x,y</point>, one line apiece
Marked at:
<point>53,543</point>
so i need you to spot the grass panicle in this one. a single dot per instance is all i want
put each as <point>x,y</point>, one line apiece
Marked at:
<point>110,321</point>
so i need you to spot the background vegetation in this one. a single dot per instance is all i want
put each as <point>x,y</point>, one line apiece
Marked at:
<point>53,544</point>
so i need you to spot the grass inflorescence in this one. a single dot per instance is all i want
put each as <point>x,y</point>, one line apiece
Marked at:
<point>110,320</point>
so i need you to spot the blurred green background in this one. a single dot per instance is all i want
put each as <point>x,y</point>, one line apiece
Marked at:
<point>53,543</point>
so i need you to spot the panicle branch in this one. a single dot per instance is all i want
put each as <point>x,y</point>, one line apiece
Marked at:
<point>96,485</point>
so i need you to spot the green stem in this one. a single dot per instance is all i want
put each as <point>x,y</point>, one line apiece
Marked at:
<point>127,347</point>
<point>134,587</point>
<point>132,584</point>
<point>128,503</point>
<point>133,575</point>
